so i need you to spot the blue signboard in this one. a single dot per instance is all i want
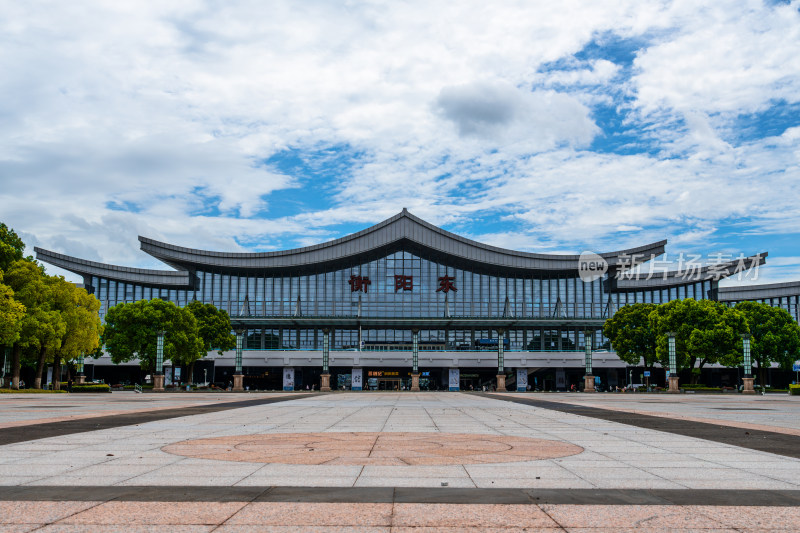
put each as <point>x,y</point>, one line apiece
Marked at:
<point>647,373</point>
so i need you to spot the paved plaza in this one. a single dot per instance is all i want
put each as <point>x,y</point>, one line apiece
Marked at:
<point>399,462</point>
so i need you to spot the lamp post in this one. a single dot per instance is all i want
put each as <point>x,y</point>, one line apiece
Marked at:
<point>238,377</point>
<point>673,363</point>
<point>588,378</point>
<point>415,360</point>
<point>81,377</point>
<point>325,377</point>
<point>501,371</point>
<point>747,380</point>
<point>158,375</point>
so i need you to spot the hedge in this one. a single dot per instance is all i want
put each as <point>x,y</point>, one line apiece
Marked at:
<point>30,391</point>
<point>88,387</point>
<point>794,390</point>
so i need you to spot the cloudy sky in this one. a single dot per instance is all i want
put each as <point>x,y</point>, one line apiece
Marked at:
<point>539,126</point>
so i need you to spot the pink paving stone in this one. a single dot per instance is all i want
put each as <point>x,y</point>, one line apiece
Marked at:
<point>630,516</point>
<point>470,515</point>
<point>313,514</point>
<point>302,529</point>
<point>785,518</point>
<point>125,528</point>
<point>39,512</point>
<point>166,513</point>
<point>370,448</point>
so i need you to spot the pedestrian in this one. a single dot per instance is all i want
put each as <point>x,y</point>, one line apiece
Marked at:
<point>69,385</point>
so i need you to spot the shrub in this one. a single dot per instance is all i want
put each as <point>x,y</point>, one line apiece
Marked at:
<point>88,387</point>
<point>30,391</point>
<point>794,390</point>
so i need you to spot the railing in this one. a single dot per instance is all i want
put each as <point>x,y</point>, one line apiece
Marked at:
<point>137,388</point>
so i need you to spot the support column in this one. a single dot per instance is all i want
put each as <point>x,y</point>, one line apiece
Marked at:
<point>414,360</point>
<point>238,377</point>
<point>158,375</point>
<point>747,380</point>
<point>325,377</point>
<point>673,364</point>
<point>80,379</point>
<point>501,371</point>
<point>588,378</point>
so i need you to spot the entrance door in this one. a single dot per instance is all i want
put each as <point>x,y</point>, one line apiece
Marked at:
<point>388,383</point>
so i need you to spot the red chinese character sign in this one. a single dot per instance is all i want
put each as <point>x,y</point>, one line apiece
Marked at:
<point>359,283</point>
<point>446,284</point>
<point>403,283</point>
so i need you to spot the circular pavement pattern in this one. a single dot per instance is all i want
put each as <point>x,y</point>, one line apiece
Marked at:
<point>389,449</point>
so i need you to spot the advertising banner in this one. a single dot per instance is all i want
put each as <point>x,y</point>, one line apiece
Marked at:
<point>455,379</point>
<point>356,380</point>
<point>288,379</point>
<point>522,379</point>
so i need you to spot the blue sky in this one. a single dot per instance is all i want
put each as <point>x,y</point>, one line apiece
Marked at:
<point>261,126</point>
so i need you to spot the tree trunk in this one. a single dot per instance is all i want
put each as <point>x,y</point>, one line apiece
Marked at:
<point>190,373</point>
<point>57,371</point>
<point>15,367</point>
<point>761,378</point>
<point>37,381</point>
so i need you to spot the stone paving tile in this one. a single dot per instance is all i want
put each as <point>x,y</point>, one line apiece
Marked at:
<point>167,481</point>
<point>785,518</point>
<point>40,512</point>
<point>558,483</point>
<point>288,481</point>
<point>316,514</point>
<point>77,481</point>
<point>125,528</point>
<point>377,481</point>
<point>302,529</point>
<point>145,513</point>
<point>475,515</point>
<point>657,517</point>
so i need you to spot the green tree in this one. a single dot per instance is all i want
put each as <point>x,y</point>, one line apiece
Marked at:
<point>775,337</point>
<point>11,247</point>
<point>11,314</point>
<point>631,334</point>
<point>214,328</point>
<point>79,313</point>
<point>131,330</point>
<point>705,333</point>
<point>29,283</point>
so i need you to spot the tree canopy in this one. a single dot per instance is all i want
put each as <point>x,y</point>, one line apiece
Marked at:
<point>775,337</point>
<point>214,326</point>
<point>631,334</point>
<point>706,332</point>
<point>131,330</point>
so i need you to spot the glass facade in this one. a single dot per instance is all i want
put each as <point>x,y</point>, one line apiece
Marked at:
<point>404,285</point>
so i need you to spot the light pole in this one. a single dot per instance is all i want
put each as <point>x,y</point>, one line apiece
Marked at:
<point>673,363</point>
<point>747,380</point>
<point>325,377</point>
<point>238,377</point>
<point>158,375</point>
<point>81,377</point>
<point>415,360</point>
<point>205,377</point>
<point>588,378</point>
<point>501,371</point>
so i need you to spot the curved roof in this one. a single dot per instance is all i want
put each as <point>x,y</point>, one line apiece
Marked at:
<point>759,291</point>
<point>163,278</point>
<point>632,281</point>
<point>403,228</point>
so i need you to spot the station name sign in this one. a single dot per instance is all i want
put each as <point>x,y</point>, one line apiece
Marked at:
<point>401,283</point>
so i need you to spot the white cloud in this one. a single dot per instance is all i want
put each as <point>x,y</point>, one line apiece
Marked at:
<point>169,110</point>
